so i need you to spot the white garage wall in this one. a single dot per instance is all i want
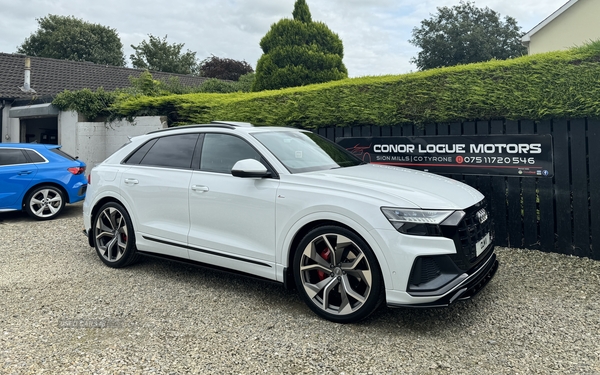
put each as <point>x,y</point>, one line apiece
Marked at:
<point>95,141</point>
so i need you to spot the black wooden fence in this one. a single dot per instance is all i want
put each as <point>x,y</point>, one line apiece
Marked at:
<point>559,214</point>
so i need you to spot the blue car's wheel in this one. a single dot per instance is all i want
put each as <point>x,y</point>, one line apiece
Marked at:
<point>44,202</point>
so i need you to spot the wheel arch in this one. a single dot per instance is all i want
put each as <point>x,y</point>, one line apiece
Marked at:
<point>288,277</point>
<point>45,183</point>
<point>101,202</point>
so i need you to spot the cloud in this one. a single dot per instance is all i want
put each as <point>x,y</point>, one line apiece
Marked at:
<point>375,32</point>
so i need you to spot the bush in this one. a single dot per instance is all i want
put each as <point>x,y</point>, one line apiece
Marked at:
<point>552,85</point>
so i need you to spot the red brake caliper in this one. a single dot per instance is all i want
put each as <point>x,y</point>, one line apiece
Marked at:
<point>325,254</point>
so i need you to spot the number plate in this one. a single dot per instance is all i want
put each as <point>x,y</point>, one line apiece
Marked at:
<point>482,244</point>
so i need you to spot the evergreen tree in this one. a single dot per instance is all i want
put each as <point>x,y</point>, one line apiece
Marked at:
<point>70,38</point>
<point>157,54</point>
<point>299,52</point>
<point>465,34</point>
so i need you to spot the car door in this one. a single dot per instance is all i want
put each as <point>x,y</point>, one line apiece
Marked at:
<point>16,174</point>
<point>156,186</point>
<point>232,218</point>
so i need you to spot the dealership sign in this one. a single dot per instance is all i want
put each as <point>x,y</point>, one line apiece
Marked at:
<point>512,155</point>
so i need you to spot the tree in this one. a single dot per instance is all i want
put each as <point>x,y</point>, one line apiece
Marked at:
<point>157,54</point>
<point>465,34</point>
<point>223,68</point>
<point>299,52</point>
<point>69,38</point>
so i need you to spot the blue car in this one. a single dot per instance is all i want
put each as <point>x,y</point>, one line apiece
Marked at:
<point>40,179</point>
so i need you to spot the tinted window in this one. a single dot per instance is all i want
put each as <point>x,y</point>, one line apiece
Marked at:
<point>221,151</point>
<point>139,154</point>
<point>34,156</point>
<point>12,156</point>
<point>58,151</point>
<point>174,151</point>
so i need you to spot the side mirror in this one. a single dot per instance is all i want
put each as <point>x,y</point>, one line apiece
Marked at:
<point>250,168</point>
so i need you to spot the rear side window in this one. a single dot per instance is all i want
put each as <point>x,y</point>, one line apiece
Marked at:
<point>174,151</point>
<point>34,157</point>
<point>10,156</point>
<point>139,154</point>
<point>60,152</point>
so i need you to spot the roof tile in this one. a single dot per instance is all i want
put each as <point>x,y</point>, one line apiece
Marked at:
<point>52,76</point>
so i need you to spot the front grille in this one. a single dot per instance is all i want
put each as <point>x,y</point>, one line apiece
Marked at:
<point>470,231</point>
<point>466,235</point>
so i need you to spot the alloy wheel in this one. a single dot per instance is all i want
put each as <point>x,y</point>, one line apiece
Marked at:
<point>111,234</point>
<point>45,203</point>
<point>335,274</point>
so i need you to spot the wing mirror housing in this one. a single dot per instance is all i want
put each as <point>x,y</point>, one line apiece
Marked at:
<point>250,168</point>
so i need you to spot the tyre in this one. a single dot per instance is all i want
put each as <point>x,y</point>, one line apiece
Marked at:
<point>44,202</point>
<point>113,236</point>
<point>337,275</point>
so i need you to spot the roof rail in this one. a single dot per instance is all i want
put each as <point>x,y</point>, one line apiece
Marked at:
<point>213,124</point>
<point>183,127</point>
<point>234,123</point>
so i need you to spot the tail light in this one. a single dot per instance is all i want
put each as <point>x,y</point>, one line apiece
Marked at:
<point>76,170</point>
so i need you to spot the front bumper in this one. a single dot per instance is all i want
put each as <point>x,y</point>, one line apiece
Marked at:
<point>463,287</point>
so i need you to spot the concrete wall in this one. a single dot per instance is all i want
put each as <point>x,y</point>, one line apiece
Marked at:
<point>577,25</point>
<point>95,141</point>
<point>92,142</point>
<point>10,127</point>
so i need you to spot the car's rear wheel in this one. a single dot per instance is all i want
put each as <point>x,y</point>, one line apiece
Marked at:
<point>113,236</point>
<point>337,274</point>
<point>44,202</point>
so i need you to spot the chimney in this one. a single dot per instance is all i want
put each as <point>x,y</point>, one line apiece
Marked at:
<point>27,84</point>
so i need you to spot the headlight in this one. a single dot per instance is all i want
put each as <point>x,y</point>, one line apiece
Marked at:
<point>416,222</point>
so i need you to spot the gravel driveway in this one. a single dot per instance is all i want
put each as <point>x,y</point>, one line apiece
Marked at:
<point>63,311</point>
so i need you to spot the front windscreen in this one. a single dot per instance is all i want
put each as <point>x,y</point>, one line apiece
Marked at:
<point>306,152</point>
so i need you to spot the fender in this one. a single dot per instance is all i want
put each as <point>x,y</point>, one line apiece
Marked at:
<point>362,228</point>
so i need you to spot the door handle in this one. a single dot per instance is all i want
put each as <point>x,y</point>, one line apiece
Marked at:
<point>200,188</point>
<point>22,173</point>
<point>131,181</point>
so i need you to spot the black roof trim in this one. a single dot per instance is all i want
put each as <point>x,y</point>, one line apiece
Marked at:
<point>199,126</point>
<point>234,123</point>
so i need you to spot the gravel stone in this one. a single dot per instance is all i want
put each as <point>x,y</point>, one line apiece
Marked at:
<point>63,311</point>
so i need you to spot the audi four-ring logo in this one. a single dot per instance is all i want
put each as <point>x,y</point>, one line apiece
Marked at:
<point>482,215</point>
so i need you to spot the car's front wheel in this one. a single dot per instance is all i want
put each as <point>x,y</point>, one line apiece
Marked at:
<point>113,236</point>
<point>337,274</point>
<point>44,202</point>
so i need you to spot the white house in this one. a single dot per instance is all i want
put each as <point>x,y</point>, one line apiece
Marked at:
<point>573,24</point>
<point>28,86</point>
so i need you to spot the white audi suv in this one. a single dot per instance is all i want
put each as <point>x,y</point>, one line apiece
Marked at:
<point>288,205</point>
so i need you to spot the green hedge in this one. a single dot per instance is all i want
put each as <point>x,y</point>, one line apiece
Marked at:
<point>552,85</point>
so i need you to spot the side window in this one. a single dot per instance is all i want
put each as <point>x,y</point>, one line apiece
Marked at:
<point>173,151</point>
<point>139,154</point>
<point>221,151</point>
<point>10,156</point>
<point>35,157</point>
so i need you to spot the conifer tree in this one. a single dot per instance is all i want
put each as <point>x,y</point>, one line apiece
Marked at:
<point>299,52</point>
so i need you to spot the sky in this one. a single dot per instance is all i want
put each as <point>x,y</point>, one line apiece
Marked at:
<point>375,33</point>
